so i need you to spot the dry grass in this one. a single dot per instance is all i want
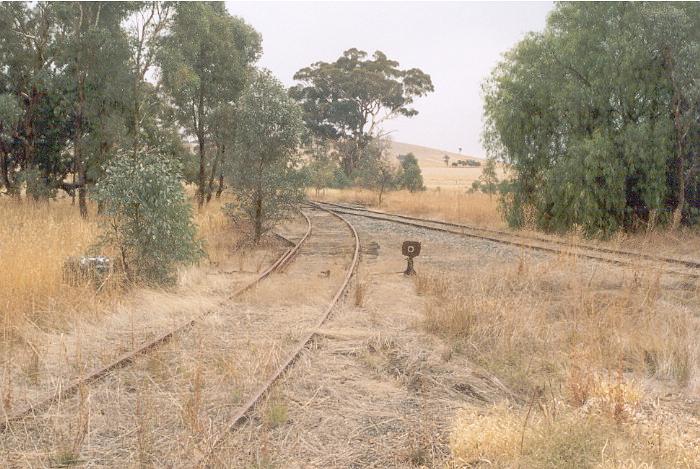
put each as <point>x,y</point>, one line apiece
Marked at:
<point>53,332</point>
<point>589,352</point>
<point>482,210</point>
<point>35,240</point>
<point>165,408</point>
<point>538,319</point>
<point>507,437</point>
<point>477,208</point>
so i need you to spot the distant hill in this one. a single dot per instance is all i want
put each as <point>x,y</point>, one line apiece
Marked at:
<point>426,156</point>
<point>435,172</point>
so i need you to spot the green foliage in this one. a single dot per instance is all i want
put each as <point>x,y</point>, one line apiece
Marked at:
<point>488,180</point>
<point>321,173</point>
<point>376,171</point>
<point>596,118</point>
<point>206,61</point>
<point>147,217</point>
<point>410,176</point>
<point>263,174</point>
<point>349,99</point>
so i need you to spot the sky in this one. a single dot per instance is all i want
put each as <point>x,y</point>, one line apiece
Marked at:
<point>457,44</point>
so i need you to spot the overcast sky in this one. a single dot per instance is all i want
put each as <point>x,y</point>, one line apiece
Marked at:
<point>456,43</point>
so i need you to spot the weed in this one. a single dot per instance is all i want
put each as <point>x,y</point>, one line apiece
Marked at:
<point>276,414</point>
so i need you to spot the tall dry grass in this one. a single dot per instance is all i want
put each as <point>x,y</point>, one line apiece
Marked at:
<point>539,321</point>
<point>37,238</point>
<point>449,205</point>
<point>586,351</point>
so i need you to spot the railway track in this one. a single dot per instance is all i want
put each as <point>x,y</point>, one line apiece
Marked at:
<point>324,244</point>
<point>127,358</point>
<point>669,265</point>
<point>240,415</point>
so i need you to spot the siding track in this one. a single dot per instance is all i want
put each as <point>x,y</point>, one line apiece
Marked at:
<point>668,265</point>
<point>127,358</point>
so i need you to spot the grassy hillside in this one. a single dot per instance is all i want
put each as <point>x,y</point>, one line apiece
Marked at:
<point>435,172</point>
<point>428,157</point>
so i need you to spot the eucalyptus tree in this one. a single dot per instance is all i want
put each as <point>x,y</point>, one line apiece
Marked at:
<point>376,171</point>
<point>264,171</point>
<point>205,61</point>
<point>147,27</point>
<point>349,99</point>
<point>9,118</point>
<point>93,51</point>
<point>147,217</point>
<point>596,118</point>
<point>29,77</point>
<point>410,176</point>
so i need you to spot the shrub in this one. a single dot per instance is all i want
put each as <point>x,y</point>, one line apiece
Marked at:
<point>147,217</point>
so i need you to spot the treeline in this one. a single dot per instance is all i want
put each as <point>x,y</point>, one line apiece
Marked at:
<point>83,82</point>
<point>97,99</point>
<point>597,118</point>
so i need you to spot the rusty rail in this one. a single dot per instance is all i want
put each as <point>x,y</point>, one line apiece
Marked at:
<point>242,411</point>
<point>127,358</point>
<point>520,241</point>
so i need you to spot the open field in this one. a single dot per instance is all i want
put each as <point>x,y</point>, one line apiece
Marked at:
<point>435,172</point>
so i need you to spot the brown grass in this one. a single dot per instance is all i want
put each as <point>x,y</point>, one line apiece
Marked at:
<point>477,208</point>
<point>589,352</point>
<point>35,240</point>
<point>503,437</point>
<point>542,318</point>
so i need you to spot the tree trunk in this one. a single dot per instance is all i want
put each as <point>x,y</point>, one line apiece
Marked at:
<point>680,138</point>
<point>680,163</point>
<point>258,219</point>
<point>5,171</point>
<point>78,162</point>
<point>201,178</point>
<point>214,170</point>
<point>220,190</point>
<point>78,151</point>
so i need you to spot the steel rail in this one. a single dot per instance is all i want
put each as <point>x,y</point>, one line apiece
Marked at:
<point>624,252</point>
<point>127,358</point>
<point>242,411</point>
<point>404,220</point>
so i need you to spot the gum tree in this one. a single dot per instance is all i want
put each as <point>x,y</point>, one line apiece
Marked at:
<point>264,171</point>
<point>348,100</point>
<point>147,217</point>
<point>205,61</point>
<point>597,118</point>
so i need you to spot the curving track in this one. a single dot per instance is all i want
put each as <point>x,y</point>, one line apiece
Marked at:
<point>243,410</point>
<point>668,265</point>
<point>326,244</point>
<point>124,360</point>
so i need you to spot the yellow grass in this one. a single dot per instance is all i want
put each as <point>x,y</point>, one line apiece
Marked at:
<point>457,206</point>
<point>508,437</point>
<point>37,238</point>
